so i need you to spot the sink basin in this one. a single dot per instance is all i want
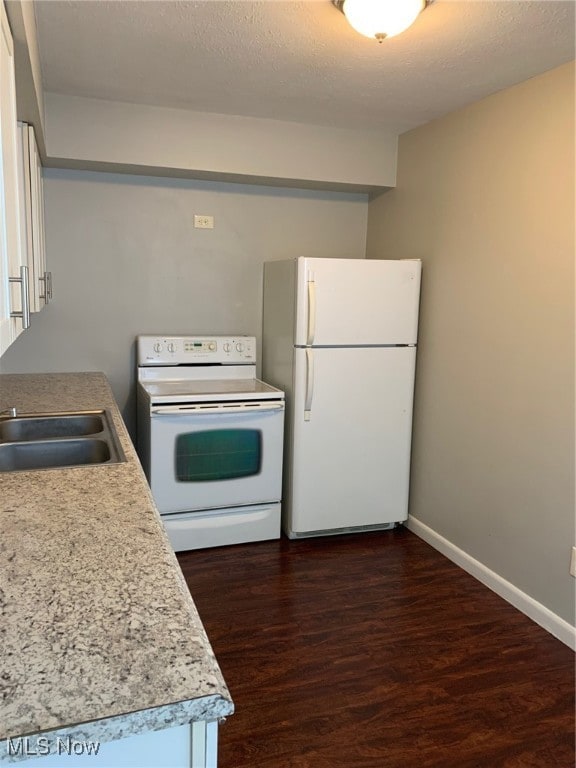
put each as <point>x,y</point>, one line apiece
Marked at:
<point>48,454</point>
<point>65,439</point>
<point>42,427</point>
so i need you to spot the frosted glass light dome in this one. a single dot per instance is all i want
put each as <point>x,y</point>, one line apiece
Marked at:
<point>382,18</point>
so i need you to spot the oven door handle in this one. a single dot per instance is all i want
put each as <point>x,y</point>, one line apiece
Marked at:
<point>195,410</point>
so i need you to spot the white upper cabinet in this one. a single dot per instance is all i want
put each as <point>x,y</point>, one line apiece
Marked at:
<point>32,217</point>
<point>14,307</point>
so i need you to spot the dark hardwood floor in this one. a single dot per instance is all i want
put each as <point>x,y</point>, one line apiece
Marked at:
<point>374,651</point>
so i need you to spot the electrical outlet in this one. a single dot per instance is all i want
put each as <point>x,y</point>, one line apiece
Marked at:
<point>573,563</point>
<point>203,222</point>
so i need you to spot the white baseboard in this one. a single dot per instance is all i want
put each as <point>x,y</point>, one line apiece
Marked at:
<point>520,600</point>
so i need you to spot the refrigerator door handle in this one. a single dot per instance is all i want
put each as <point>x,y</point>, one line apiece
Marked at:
<point>309,383</point>
<point>311,309</point>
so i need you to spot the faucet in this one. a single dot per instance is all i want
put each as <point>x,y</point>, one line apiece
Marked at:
<point>8,413</point>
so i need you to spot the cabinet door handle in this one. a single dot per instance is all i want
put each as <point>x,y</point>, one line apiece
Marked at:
<point>47,280</point>
<point>25,313</point>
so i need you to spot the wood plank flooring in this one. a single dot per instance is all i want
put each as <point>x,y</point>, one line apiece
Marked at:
<point>375,651</point>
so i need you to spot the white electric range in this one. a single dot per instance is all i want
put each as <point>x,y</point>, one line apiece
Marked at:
<point>210,439</point>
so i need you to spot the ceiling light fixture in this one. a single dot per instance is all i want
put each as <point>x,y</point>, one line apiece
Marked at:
<point>381,18</point>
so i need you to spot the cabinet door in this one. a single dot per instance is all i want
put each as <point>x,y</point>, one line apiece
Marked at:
<point>25,206</point>
<point>32,216</point>
<point>42,287</point>
<point>12,298</point>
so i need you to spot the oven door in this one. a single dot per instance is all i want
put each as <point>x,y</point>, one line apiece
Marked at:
<point>210,456</point>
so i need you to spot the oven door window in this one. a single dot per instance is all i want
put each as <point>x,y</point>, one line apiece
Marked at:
<point>218,454</point>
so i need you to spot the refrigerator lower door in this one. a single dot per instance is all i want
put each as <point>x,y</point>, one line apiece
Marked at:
<point>350,435</point>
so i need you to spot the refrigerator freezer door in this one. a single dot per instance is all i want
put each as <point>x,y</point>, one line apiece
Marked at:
<point>347,302</point>
<point>350,458</point>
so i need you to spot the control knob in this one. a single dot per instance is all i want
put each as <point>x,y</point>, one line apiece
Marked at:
<point>226,347</point>
<point>157,347</point>
<point>240,347</point>
<point>171,347</point>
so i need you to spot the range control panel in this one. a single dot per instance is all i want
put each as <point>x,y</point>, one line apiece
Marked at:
<point>196,350</point>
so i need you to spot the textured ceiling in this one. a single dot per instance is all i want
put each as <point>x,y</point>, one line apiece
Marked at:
<point>298,61</point>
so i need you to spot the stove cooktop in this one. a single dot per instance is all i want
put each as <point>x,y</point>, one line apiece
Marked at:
<point>210,390</point>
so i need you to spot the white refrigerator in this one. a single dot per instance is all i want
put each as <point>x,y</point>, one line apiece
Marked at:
<point>339,337</point>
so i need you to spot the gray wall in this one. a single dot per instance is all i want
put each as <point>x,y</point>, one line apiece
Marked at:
<point>127,260</point>
<point>485,197</point>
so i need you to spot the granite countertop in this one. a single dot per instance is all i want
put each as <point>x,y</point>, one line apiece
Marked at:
<point>99,636</point>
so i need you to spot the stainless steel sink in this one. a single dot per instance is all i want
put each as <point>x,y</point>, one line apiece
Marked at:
<point>63,439</point>
<point>48,454</point>
<point>42,427</point>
